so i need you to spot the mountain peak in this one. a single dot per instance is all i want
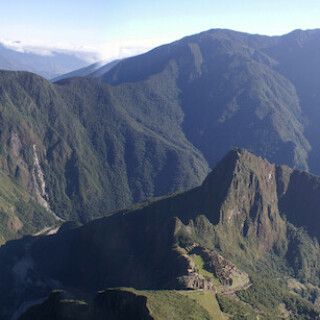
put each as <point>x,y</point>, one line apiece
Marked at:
<point>233,161</point>
<point>243,190</point>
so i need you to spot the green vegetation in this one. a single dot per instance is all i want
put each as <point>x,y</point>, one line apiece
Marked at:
<point>199,265</point>
<point>207,300</point>
<point>19,213</point>
<point>161,305</point>
<point>153,125</point>
<point>229,96</point>
<point>266,295</point>
<point>172,305</point>
<point>229,227</point>
<point>237,309</point>
<point>96,155</point>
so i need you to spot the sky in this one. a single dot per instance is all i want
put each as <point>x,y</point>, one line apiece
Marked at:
<point>119,28</point>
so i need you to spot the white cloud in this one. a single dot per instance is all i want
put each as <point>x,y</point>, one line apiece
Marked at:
<point>86,53</point>
<point>106,52</point>
<point>122,49</point>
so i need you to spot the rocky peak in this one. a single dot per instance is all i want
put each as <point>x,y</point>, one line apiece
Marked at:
<point>243,191</point>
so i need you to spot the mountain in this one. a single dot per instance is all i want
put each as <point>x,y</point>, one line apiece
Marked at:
<point>94,70</point>
<point>238,90</point>
<point>239,238</point>
<point>81,154</point>
<point>244,239</point>
<point>48,65</point>
<point>155,123</point>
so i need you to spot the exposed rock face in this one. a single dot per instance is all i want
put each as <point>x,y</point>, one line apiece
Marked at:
<point>251,204</point>
<point>38,184</point>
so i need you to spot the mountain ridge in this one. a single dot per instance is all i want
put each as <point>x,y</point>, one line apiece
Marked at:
<point>234,73</point>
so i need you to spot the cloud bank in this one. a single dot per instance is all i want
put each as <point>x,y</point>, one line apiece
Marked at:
<point>105,52</point>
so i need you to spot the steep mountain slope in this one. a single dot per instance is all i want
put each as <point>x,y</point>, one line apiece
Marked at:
<point>48,66</point>
<point>237,223</point>
<point>238,89</point>
<point>76,147</point>
<point>298,57</point>
<point>164,118</point>
<point>20,213</point>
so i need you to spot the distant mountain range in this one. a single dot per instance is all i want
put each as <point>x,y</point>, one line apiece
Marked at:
<point>47,65</point>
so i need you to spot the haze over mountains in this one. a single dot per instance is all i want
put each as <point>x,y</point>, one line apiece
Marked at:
<point>102,138</point>
<point>48,64</point>
<point>93,71</point>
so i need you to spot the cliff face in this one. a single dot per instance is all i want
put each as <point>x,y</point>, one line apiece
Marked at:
<point>248,210</point>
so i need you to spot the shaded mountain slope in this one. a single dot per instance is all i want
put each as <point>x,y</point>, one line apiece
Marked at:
<point>210,237</point>
<point>298,60</point>
<point>123,304</point>
<point>92,156</point>
<point>237,89</point>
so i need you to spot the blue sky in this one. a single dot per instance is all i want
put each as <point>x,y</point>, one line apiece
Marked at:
<point>119,28</point>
